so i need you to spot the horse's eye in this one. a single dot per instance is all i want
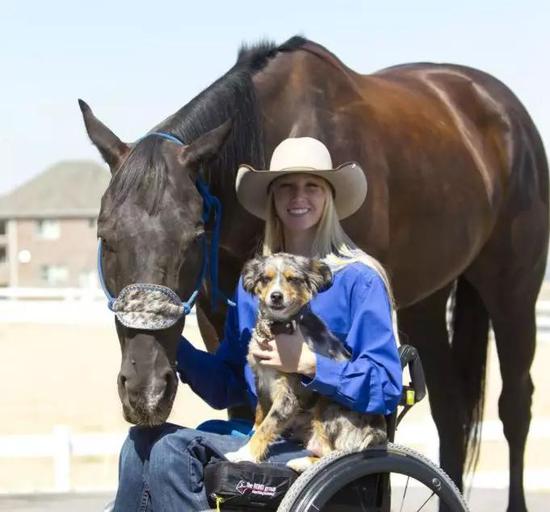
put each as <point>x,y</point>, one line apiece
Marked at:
<point>106,245</point>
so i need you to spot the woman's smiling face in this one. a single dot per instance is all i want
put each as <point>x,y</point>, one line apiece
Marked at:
<point>299,200</point>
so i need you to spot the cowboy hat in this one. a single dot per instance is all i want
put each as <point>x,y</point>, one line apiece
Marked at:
<point>302,155</point>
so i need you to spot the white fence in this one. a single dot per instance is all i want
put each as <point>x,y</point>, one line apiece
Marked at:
<point>62,445</point>
<point>50,306</point>
<point>81,307</point>
<point>16,293</point>
<point>543,316</point>
<point>57,306</point>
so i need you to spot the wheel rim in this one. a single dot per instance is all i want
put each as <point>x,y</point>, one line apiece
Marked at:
<point>412,490</point>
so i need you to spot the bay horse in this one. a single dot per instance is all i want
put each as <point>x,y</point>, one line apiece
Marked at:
<point>457,202</point>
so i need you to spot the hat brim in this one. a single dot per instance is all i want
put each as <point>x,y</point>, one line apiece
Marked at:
<point>348,182</point>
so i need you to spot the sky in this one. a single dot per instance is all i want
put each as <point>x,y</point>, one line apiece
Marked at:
<point>137,62</point>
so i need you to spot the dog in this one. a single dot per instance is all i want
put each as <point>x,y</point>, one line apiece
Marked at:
<point>285,284</point>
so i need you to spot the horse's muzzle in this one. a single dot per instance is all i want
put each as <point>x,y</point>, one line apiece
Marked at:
<point>150,405</point>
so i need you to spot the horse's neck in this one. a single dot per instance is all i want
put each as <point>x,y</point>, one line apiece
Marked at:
<point>241,232</point>
<point>296,111</point>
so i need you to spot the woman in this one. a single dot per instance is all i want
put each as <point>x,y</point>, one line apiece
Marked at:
<point>302,198</point>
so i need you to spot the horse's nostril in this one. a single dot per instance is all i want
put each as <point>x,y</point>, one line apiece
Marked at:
<point>276,297</point>
<point>170,379</point>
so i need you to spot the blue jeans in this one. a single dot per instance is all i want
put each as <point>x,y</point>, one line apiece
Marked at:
<point>161,468</point>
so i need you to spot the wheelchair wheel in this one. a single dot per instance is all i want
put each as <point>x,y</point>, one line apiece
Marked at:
<point>384,479</point>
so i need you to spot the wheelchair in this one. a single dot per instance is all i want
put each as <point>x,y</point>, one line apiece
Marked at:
<point>379,479</point>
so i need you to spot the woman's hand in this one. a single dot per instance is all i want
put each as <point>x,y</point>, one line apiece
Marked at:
<point>287,353</point>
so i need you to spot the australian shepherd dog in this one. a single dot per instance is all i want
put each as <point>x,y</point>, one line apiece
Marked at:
<point>284,285</point>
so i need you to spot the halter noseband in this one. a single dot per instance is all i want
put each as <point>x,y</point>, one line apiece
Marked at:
<point>163,306</point>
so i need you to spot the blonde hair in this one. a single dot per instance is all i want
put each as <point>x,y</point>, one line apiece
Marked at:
<point>331,244</point>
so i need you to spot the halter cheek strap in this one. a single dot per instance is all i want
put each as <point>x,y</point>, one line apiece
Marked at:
<point>110,298</point>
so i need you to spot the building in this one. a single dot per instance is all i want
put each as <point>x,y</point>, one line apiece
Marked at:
<point>48,227</point>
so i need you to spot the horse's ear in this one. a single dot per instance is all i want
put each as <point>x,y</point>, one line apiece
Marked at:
<point>206,146</point>
<point>112,149</point>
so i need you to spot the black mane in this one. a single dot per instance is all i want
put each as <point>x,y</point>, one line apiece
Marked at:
<point>232,96</point>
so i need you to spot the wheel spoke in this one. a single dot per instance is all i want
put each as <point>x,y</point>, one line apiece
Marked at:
<point>404,494</point>
<point>375,479</point>
<point>429,498</point>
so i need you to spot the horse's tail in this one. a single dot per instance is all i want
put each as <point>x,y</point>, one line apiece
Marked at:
<point>470,334</point>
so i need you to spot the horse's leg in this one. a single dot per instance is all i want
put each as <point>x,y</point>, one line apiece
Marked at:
<point>515,332</point>
<point>513,317</point>
<point>508,274</point>
<point>423,325</point>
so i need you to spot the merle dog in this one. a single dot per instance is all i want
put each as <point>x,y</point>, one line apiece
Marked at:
<point>284,285</point>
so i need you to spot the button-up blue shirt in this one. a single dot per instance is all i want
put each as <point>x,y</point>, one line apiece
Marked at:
<point>355,308</point>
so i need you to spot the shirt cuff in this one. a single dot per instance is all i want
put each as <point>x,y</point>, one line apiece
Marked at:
<point>184,357</point>
<point>328,376</point>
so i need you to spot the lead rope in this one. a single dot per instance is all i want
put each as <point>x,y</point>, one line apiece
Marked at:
<point>211,202</point>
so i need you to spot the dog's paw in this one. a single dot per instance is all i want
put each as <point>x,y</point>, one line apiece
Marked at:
<point>301,463</point>
<point>243,454</point>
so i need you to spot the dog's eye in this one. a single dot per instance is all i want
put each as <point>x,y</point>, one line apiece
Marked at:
<point>264,280</point>
<point>294,279</point>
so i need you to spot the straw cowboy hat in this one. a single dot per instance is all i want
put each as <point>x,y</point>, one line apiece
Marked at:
<point>302,155</point>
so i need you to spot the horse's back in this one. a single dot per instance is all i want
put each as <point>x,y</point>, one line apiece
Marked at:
<point>448,150</point>
<point>482,120</point>
<point>502,139</point>
<point>484,109</point>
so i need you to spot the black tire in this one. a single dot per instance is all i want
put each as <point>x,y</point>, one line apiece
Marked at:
<point>336,472</point>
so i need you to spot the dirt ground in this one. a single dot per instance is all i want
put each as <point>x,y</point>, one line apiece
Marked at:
<point>66,375</point>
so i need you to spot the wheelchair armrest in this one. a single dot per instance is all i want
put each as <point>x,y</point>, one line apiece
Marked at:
<point>410,358</point>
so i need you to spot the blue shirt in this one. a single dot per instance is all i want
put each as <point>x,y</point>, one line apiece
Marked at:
<point>355,308</point>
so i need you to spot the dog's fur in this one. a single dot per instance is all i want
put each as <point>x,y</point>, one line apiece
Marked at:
<point>284,285</point>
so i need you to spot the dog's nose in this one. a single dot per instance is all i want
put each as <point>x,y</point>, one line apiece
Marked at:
<point>276,297</point>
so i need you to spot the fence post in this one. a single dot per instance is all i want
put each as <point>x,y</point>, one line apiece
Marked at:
<point>62,458</point>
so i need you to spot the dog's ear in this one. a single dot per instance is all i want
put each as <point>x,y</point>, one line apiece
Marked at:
<point>252,271</point>
<point>320,275</point>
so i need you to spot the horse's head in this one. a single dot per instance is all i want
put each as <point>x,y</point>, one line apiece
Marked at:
<point>151,228</point>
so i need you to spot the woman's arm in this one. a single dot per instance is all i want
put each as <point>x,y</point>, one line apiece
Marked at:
<point>371,381</point>
<point>217,378</point>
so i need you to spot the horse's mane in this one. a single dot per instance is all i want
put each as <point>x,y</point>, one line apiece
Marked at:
<point>232,96</point>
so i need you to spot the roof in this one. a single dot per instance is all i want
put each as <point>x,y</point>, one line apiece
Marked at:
<point>70,188</point>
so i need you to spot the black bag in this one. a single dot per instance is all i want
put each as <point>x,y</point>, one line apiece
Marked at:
<point>238,485</point>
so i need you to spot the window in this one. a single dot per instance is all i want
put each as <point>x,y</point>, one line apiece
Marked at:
<point>88,279</point>
<point>3,255</point>
<point>3,227</point>
<point>54,275</point>
<point>48,229</point>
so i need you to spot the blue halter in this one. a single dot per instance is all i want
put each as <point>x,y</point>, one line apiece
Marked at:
<point>211,206</point>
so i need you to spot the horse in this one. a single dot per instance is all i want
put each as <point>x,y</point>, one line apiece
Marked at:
<point>457,207</point>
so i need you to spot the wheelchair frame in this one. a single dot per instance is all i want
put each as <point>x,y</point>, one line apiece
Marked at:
<point>360,473</point>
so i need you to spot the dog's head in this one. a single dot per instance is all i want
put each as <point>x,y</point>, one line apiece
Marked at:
<point>284,283</point>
